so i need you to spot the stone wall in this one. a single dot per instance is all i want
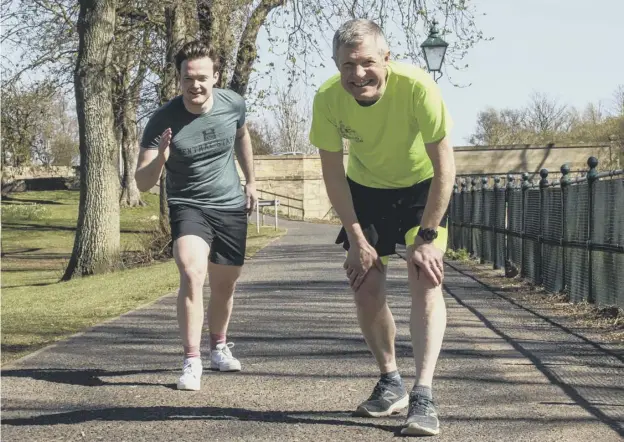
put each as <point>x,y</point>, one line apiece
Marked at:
<point>29,172</point>
<point>297,181</point>
<point>20,179</point>
<point>493,160</point>
<point>301,177</point>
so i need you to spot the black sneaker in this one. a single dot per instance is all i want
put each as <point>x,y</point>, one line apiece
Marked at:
<point>422,417</point>
<point>387,398</point>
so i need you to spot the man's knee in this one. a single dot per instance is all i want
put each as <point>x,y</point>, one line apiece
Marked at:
<point>192,276</point>
<point>223,278</point>
<point>371,293</point>
<point>191,257</point>
<point>421,286</point>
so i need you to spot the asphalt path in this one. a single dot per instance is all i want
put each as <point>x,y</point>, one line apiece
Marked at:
<point>506,372</point>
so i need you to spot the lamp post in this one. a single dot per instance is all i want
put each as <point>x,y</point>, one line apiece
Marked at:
<point>434,49</point>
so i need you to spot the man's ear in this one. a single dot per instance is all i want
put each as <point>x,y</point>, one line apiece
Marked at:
<point>387,57</point>
<point>216,77</point>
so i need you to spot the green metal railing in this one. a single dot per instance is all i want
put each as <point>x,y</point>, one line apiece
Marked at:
<point>566,235</point>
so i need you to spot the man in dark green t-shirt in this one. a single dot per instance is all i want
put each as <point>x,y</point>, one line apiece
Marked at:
<point>194,136</point>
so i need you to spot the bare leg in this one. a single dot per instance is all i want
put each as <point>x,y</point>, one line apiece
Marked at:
<point>377,324</point>
<point>222,284</point>
<point>376,320</point>
<point>191,256</point>
<point>222,280</point>
<point>427,324</point>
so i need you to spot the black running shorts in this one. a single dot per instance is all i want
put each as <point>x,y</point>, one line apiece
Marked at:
<point>388,216</point>
<point>224,230</point>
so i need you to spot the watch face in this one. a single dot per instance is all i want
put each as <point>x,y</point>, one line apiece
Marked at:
<point>428,234</point>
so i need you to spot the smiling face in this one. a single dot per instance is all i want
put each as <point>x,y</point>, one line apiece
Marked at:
<point>363,69</point>
<point>197,78</point>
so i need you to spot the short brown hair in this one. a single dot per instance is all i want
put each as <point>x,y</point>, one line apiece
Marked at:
<point>197,49</point>
<point>354,31</point>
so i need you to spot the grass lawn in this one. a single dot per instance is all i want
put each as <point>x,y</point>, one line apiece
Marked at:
<point>36,245</point>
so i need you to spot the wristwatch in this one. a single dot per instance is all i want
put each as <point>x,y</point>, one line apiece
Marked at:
<point>428,235</point>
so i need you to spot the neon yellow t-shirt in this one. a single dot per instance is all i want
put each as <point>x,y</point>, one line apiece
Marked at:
<point>387,139</point>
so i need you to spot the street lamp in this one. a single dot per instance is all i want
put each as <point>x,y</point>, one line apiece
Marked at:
<point>434,49</point>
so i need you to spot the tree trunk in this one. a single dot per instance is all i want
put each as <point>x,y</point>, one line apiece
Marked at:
<point>97,244</point>
<point>247,49</point>
<point>130,194</point>
<point>215,25</point>
<point>175,22</point>
<point>130,66</point>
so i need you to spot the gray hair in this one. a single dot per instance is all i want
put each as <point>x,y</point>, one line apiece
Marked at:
<point>354,31</point>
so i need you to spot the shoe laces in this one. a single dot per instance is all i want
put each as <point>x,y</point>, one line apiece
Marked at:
<point>421,405</point>
<point>379,389</point>
<point>187,368</point>
<point>225,349</point>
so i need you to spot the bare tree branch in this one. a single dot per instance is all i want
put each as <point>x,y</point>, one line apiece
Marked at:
<point>247,49</point>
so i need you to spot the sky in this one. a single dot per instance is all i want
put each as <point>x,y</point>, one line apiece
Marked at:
<point>570,50</point>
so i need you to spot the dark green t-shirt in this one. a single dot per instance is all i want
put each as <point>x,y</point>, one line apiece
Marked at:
<point>201,170</point>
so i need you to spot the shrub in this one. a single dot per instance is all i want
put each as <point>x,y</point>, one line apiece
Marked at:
<point>154,246</point>
<point>457,255</point>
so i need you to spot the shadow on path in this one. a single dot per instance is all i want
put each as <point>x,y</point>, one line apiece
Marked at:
<point>167,413</point>
<point>85,378</point>
<point>549,373</point>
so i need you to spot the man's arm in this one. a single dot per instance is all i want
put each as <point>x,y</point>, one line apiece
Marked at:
<point>340,195</point>
<point>149,168</point>
<point>443,160</point>
<point>362,256</point>
<point>244,153</point>
<point>151,162</point>
<point>425,256</point>
<point>153,154</point>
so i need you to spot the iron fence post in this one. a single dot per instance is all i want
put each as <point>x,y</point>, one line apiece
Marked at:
<point>495,216</point>
<point>462,213</point>
<point>484,222</point>
<point>472,214</point>
<point>452,224</point>
<point>525,187</point>
<point>592,177</point>
<point>540,237</point>
<point>508,191</point>
<point>565,181</point>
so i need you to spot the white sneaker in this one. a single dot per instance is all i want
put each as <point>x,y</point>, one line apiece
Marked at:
<point>221,358</point>
<point>191,375</point>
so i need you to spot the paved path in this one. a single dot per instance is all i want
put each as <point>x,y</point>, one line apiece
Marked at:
<point>505,374</point>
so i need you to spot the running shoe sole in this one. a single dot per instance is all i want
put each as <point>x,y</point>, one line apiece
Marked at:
<point>232,367</point>
<point>189,386</point>
<point>394,409</point>
<point>416,430</point>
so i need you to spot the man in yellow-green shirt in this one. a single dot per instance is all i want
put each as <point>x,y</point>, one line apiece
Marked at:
<point>396,190</point>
